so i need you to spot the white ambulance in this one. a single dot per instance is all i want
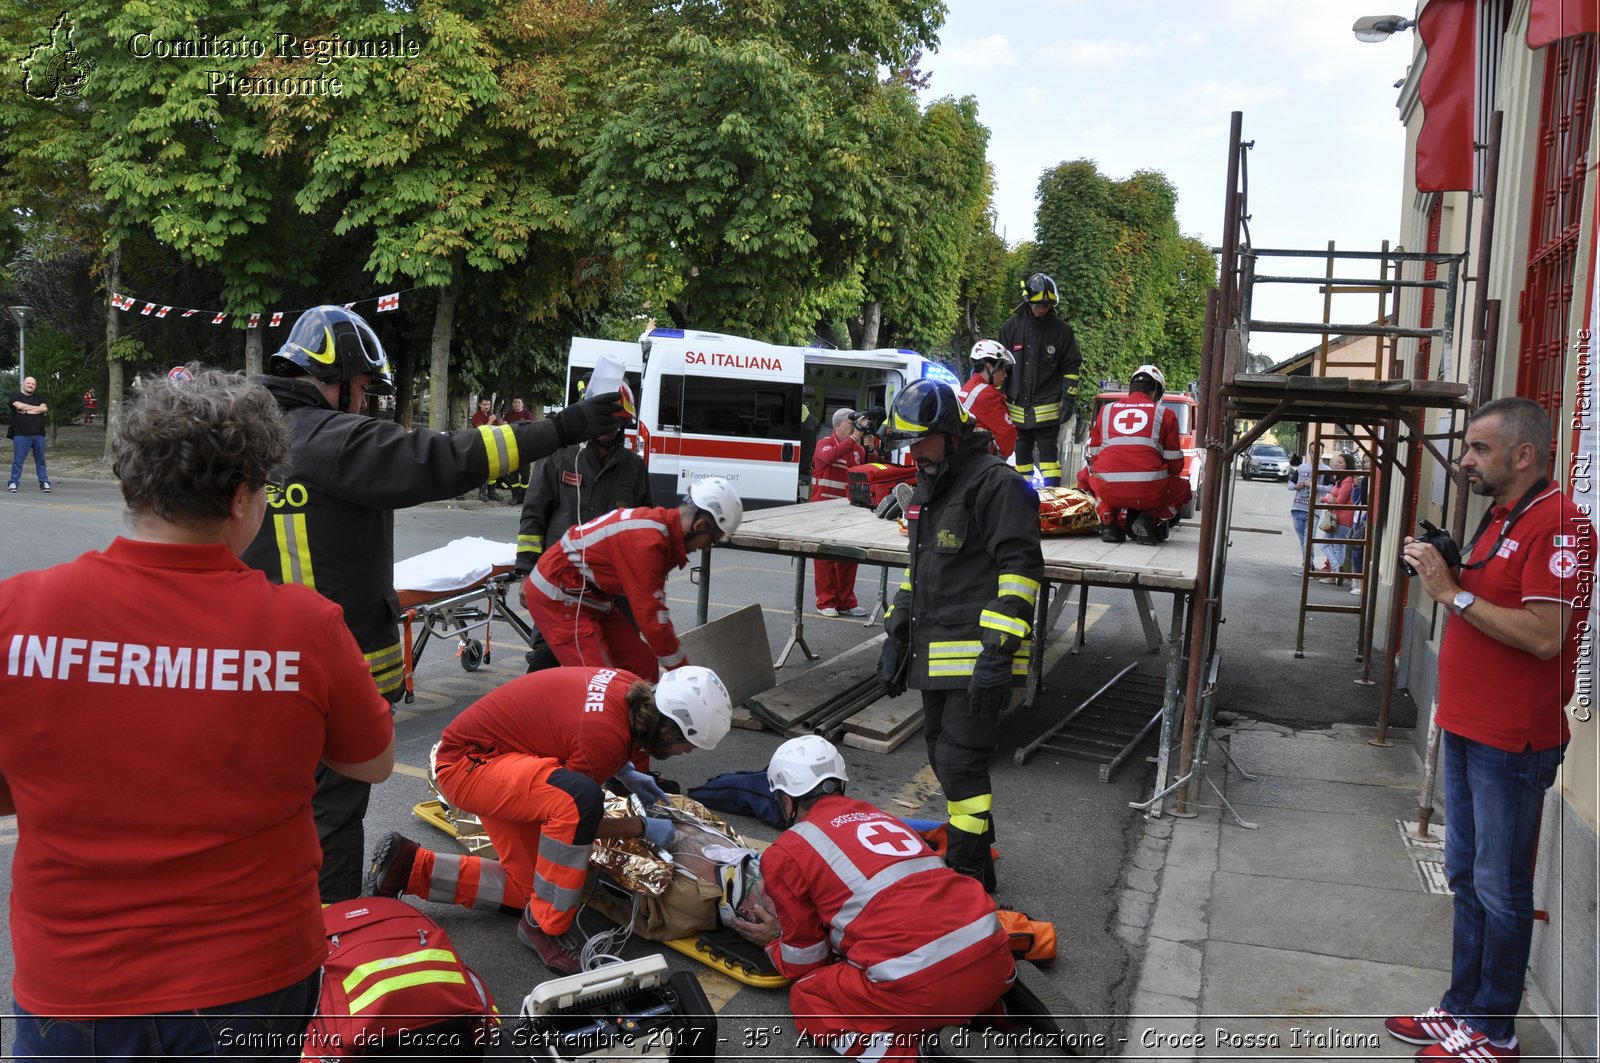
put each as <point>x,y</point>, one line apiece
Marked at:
<point>750,412</point>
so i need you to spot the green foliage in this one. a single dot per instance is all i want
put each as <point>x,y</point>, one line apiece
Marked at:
<point>1132,289</point>
<point>57,363</point>
<point>129,351</point>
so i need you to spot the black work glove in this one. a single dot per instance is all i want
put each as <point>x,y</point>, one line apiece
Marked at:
<point>990,689</point>
<point>898,623</point>
<point>594,416</point>
<point>893,663</point>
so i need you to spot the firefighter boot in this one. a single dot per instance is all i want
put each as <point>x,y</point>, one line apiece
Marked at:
<point>970,855</point>
<point>552,951</point>
<point>390,869</point>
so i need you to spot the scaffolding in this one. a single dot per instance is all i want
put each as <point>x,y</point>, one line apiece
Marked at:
<point>1383,417</point>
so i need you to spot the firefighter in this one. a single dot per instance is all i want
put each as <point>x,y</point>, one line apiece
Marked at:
<point>982,395</point>
<point>884,941</point>
<point>331,525</point>
<point>831,463</point>
<point>1043,391</point>
<point>574,486</point>
<point>959,625</point>
<point>529,760</point>
<point>1135,463</point>
<point>571,593</point>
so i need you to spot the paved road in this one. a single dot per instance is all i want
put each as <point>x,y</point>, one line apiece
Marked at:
<point>1065,837</point>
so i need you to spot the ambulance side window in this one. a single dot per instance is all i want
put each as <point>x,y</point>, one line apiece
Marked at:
<point>669,414</point>
<point>732,407</point>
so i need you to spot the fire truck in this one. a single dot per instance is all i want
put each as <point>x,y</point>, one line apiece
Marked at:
<point>748,411</point>
<point>1183,406</point>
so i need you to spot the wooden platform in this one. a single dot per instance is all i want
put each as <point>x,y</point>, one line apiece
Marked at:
<point>837,530</point>
<point>1336,399</point>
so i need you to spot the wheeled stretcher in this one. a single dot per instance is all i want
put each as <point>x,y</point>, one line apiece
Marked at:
<point>455,592</point>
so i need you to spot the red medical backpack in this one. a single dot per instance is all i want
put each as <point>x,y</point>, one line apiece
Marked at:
<point>393,982</point>
<point>870,482</point>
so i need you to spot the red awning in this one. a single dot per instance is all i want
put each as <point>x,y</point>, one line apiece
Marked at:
<point>1449,95</point>
<point>1551,20</point>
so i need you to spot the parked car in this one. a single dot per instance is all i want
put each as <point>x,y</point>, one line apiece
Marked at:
<point>1265,461</point>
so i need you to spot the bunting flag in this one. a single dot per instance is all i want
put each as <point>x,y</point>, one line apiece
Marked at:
<point>1551,20</point>
<point>1448,91</point>
<point>123,301</point>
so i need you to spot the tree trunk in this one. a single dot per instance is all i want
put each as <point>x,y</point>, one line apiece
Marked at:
<point>113,404</point>
<point>830,335</point>
<point>444,317</point>
<point>679,312</point>
<point>864,329</point>
<point>254,343</point>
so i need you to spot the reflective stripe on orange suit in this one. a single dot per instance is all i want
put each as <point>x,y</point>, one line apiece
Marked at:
<point>835,581</point>
<point>1136,459</point>
<point>528,759</point>
<point>923,945</point>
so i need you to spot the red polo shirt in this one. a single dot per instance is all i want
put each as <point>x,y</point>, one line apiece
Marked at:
<point>1497,694</point>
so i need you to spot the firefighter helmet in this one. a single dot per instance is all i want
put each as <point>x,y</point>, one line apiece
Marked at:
<point>926,406</point>
<point>1153,374</point>
<point>333,345</point>
<point>1040,288</point>
<point>697,700</point>
<point>990,351</point>
<point>802,764</point>
<point>716,496</point>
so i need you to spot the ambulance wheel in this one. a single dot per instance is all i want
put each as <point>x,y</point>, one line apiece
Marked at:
<point>888,508</point>
<point>697,1028</point>
<point>472,655</point>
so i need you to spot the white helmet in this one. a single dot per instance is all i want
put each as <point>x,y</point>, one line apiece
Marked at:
<point>697,701</point>
<point>1154,373</point>
<point>990,350</point>
<point>801,764</point>
<point>718,498</point>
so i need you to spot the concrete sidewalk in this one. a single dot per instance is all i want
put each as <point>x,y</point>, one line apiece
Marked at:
<point>1299,937</point>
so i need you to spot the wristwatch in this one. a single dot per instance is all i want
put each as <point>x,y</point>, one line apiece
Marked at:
<point>1462,601</point>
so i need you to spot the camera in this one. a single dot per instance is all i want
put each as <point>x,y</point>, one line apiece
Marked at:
<point>1441,541</point>
<point>869,421</point>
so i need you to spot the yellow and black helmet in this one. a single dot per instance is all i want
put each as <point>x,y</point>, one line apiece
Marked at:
<point>1040,288</point>
<point>333,345</point>
<point>926,406</point>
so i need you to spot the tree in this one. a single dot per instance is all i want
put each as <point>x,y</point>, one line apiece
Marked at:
<point>1181,347</point>
<point>1114,251</point>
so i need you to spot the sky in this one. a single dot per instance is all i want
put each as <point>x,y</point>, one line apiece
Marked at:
<point>1151,84</point>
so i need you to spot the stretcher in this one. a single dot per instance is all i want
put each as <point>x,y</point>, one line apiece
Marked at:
<point>722,950</point>
<point>453,592</point>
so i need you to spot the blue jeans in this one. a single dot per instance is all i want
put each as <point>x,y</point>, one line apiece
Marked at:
<point>1492,804</point>
<point>267,1027</point>
<point>20,448</point>
<point>1300,517</point>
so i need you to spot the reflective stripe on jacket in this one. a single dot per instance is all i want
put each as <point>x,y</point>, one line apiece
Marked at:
<point>852,881</point>
<point>1134,440</point>
<point>1043,387</point>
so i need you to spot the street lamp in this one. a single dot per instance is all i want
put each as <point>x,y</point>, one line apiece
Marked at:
<point>1370,29</point>
<point>23,316</point>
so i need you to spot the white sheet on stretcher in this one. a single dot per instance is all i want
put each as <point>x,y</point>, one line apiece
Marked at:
<point>454,566</point>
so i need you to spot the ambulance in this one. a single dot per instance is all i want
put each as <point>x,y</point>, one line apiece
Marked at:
<point>750,412</point>
<point>1187,411</point>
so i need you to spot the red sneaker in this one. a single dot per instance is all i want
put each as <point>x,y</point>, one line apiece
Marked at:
<point>1467,1045</point>
<point>1429,1028</point>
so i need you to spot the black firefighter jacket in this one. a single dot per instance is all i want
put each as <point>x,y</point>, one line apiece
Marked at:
<point>331,528</point>
<point>975,571</point>
<point>1043,387</point>
<point>574,486</point>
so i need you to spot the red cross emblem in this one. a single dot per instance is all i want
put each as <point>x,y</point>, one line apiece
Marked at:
<point>890,839</point>
<point>1130,421</point>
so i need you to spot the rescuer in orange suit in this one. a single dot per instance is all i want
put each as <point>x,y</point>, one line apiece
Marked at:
<point>983,395</point>
<point>1135,461</point>
<point>529,759</point>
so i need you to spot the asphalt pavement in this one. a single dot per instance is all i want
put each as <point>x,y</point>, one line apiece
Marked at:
<point>1072,849</point>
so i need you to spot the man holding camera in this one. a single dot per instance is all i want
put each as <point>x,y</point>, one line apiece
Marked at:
<point>1507,669</point>
<point>831,463</point>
